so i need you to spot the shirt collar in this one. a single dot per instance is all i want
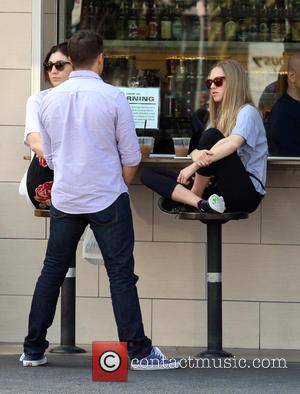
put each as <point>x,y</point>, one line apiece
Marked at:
<point>84,74</point>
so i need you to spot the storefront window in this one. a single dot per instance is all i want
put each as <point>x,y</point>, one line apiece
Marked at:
<point>170,45</point>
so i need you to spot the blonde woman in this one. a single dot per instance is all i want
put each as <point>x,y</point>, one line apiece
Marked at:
<point>233,150</point>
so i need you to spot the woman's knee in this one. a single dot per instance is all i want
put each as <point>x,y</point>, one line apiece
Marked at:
<point>209,138</point>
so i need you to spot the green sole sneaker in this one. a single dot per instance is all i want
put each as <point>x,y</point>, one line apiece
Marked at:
<point>216,203</point>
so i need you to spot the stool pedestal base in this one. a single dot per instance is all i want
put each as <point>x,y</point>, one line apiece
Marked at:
<point>65,349</point>
<point>214,354</point>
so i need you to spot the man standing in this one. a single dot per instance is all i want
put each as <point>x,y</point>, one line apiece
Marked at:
<point>89,140</point>
<point>283,125</point>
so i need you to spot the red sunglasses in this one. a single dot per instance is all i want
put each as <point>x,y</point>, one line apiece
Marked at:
<point>218,81</point>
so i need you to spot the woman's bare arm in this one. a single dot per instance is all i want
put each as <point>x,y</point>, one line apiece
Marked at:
<point>221,149</point>
<point>35,143</point>
<point>226,146</point>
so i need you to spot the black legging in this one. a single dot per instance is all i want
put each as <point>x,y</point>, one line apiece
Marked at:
<point>231,179</point>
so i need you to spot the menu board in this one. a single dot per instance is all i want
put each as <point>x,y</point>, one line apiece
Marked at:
<point>144,104</point>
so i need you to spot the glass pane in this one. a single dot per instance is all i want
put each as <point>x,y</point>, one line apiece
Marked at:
<point>172,45</point>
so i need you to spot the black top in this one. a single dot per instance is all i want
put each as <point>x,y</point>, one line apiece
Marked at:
<point>283,127</point>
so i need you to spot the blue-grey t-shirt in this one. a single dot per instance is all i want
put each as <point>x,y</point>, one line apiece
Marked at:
<point>254,152</point>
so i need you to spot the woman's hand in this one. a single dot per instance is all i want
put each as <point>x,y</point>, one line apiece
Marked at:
<point>202,158</point>
<point>186,173</point>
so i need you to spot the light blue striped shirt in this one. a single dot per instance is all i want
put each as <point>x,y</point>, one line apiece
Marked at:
<point>88,134</point>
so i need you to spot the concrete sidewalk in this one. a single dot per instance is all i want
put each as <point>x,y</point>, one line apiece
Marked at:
<point>72,374</point>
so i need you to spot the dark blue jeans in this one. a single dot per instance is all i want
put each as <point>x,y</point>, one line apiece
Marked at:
<point>113,230</point>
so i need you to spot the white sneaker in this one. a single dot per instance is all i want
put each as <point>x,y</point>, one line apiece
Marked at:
<point>216,203</point>
<point>33,361</point>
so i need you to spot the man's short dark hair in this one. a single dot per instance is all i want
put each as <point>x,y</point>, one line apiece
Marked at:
<point>84,47</point>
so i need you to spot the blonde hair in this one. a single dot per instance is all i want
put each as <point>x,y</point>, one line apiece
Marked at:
<point>237,93</point>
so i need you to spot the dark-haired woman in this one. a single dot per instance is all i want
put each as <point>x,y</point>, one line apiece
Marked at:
<point>37,181</point>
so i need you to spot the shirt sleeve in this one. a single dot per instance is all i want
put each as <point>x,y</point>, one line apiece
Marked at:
<point>247,125</point>
<point>32,121</point>
<point>127,141</point>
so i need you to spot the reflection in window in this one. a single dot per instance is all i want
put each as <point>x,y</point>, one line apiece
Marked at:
<point>172,44</point>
